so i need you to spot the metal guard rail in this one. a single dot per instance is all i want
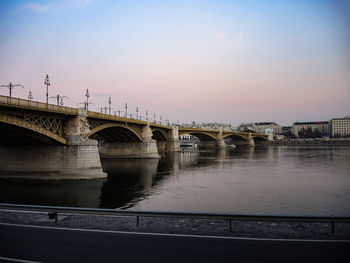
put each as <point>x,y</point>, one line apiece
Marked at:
<point>54,210</point>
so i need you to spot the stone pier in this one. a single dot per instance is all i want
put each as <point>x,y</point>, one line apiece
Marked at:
<point>147,148</point>
<point>172,144</point>
<point>79,159</point>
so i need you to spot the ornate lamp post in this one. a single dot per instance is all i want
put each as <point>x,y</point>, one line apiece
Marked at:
<point>47,83</point>
<point>87,99</point>
<point>58,97</point>
<point>109,102</point>
<point>11,86</point>
<point>30,96</point>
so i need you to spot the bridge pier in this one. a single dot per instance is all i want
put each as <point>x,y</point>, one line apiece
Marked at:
<point>147,148</point>
<point>78,159</point>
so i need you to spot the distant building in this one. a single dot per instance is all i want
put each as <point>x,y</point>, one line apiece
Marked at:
<point>287,131</point>
<point>209,126</point>
<point>267,128</point>
<point>245,127</point>
<point>311,129</point>
<point>340,127</point>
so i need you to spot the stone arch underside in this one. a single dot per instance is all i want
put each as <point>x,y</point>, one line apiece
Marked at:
<point>203,136</point>
<point>235,137</point>
<point>259,138</point>
<point>112,132</point>
<point>159,135</point>
<point>15,131</point>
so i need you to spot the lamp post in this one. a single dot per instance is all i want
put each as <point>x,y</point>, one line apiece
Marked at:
<point>30,96</point>
<point>147,115</point>
<point>126,109</point>
<point>47,83</point>
<point>58,97</point>
<point>109,107</point>
<point>137,113</point>
<point>87,99</point>
<point>11,87</point>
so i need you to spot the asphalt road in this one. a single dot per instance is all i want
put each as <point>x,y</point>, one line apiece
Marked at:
<point>64,245</point>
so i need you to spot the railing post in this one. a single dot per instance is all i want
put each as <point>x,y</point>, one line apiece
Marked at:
<point>230,225</point>
<point>332,228</point>
<point>137,221</point>
<point>53,215</point>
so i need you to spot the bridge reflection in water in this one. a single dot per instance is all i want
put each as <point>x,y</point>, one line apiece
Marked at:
<point>129,181</point>
<point>259,180</point>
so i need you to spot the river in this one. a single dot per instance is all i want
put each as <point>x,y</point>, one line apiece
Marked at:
<point>274,180</point>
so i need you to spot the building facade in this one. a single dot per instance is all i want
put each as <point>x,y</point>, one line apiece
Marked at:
<point>267,128</point>
<point>340,127</point>
<point>311,129</point>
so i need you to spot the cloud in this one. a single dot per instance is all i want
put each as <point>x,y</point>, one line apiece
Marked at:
<point>239,44</point>
<point>220,35</point>
<point>34,6</point>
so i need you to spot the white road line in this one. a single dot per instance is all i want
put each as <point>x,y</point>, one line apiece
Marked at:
<point>177,235</point>
<point>18,260</point>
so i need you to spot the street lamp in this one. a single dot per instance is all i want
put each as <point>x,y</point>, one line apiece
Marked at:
<point>11,87</point>
<point>30,96</point>
<point>47,83</point>
<point>87,99</point>
<point>126,109</point>
<point>137,113</point>
<point>58,97</point>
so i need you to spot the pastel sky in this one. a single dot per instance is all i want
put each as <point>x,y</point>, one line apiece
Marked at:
<point>202,61</point>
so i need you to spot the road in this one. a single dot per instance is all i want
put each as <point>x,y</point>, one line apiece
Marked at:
<point>40,244</point>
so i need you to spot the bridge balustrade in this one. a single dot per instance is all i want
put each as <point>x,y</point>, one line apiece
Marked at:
<point>36,105</point>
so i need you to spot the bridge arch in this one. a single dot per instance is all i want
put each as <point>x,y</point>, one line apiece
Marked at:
<point>159,135</point>
<point>259,138</point>
<point>35,129</point>
<point>236,137</point>
<point>115,132</point>
<point>203,136</point>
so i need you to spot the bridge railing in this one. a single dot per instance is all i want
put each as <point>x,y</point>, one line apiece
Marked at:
<point>53,212</point>
<point>36,105</point>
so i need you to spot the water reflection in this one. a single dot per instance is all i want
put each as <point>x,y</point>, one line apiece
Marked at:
<point>84,193</point>
<point>128,181</point>
<point>255,180</point>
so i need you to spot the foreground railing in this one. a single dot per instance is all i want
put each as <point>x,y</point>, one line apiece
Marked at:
<point>53,212</point>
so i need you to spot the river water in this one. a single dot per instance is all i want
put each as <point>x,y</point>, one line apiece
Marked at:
<point>286,180</point>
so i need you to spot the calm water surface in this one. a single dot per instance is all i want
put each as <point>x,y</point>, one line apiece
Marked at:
<point>266,180</point>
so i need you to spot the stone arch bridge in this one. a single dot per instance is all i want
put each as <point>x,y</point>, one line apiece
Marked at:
<point>42,137</point>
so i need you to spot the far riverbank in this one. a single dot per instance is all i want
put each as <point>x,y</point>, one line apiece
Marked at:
<point>311,141</point>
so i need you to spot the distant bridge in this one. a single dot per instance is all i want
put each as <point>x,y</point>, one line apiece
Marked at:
<point>76,138</point>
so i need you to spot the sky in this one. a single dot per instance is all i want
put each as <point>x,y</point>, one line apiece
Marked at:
<point>192,60</point>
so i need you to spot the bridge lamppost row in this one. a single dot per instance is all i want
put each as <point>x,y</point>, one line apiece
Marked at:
<point>11,87</point>
<point>47,83</point>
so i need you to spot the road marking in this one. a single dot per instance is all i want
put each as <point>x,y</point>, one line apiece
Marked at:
<point>18,260</point>
<point>177,235</point>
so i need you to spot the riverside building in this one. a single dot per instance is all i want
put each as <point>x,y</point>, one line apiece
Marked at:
<point>340,127</point>
<point>311,129</point>
<point>267,128</point>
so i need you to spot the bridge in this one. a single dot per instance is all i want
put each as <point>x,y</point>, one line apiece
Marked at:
<point>53,140</point>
